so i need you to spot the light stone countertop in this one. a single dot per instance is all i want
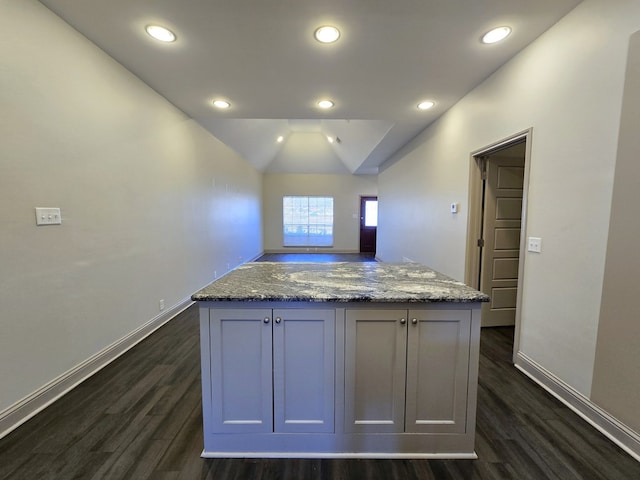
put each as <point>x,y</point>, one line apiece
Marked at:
<point>337,282</point>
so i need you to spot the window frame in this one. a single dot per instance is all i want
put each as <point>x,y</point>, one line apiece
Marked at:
<point>311,233</point>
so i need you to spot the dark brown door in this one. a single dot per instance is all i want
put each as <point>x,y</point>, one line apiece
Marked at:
<point>368,224</point>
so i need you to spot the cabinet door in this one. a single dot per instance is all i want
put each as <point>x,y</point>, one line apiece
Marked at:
<point>437,370</point>
<point>303,370</point>
<point>241,362</point>
<point>375,364</point>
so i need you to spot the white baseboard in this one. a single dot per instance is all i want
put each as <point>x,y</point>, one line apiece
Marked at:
<point>254,258</point>
<point>21,411</point>
<point>609,426</point>
<point>329,250</point>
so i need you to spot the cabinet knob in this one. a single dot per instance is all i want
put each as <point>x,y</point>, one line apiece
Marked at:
<point>403,321</point>
<point>278,319</point>
<point>414,321</point>
<point>266,319</point>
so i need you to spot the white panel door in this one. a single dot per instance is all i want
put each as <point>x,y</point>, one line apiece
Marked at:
<point>501,252</point>
<point>303,370</point>
<point>241,366</point>
<point>437,371</point>
<point>375,365</point>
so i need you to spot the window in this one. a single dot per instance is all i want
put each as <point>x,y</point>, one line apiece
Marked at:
<point>307,221</point>
<point>371,213</point>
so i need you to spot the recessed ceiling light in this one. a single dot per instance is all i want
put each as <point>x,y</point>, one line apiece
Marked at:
<point>280,139</point>
<point>160,33</point>
<point>330,139</point>
<point>221,104</point>
<point>426,105</point>
<point>326,34</point>
<point>325,104</point>
<point>496,35</point>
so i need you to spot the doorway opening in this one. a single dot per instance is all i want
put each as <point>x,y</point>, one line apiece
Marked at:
<point>499,178</point>
<point>368,224</point>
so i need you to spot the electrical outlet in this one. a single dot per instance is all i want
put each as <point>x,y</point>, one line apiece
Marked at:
<point>534,244</point>
<point>161,304</point>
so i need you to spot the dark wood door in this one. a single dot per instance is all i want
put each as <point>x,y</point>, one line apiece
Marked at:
<point>368,224</point>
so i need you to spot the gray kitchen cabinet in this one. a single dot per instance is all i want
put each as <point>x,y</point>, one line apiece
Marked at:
<point>241,390</point>
<point>272,370</point>
<point>301,379</point>
<point>406,370</point>
<point>375,370</point>
<point>303,370</point>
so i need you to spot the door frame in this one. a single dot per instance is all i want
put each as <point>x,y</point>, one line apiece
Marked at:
<point>474,221</point>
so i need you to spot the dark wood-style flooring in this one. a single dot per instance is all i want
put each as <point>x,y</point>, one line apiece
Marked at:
<point>140,418</point>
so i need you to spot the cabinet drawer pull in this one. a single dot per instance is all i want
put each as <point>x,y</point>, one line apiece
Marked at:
<point>403,321</point>
<point>266,319</point>
<point>414,321</point>
<point>278,319</point>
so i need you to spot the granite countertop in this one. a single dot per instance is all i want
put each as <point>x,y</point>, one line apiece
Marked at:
<point>337,282</point>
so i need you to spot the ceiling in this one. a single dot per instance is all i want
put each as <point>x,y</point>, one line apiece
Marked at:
<point>261,56</point>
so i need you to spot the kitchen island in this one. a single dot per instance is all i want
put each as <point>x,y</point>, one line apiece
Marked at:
<point>339,360</point>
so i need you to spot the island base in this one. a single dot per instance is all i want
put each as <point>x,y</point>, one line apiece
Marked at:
<point>340,446</point>
<point>351,380</point>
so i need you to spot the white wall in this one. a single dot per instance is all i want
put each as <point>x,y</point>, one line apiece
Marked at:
<point>151,203</point>
<point>346,191</point>
<point>567,85</point>
<point>616,373</point>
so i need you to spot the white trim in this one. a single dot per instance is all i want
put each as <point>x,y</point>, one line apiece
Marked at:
<point>474,219</point>
<point>616,431</point>
<point>254,258</point>
<point>21,411</point>
<point>313,249</point>
<point>430,456</point>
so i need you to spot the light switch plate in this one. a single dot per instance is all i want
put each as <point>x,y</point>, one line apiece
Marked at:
<point>48,216</point>
<point>534,244</point>
<point>454,207</point>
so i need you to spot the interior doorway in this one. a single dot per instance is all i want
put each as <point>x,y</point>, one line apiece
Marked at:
<point>497,211</point>
<point>503,177</point>
<point>368,224</point>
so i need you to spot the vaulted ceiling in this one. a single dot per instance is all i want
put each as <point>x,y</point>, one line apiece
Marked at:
<point>261,56</point>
